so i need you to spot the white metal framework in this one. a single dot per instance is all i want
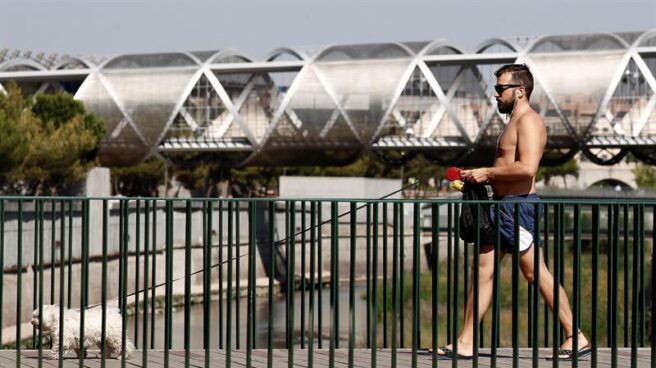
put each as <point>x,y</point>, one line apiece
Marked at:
<point>596,93</point>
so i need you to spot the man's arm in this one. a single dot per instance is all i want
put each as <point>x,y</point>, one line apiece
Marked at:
<point>529,148</point>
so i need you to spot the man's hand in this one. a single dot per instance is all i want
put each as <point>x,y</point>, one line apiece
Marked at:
<point>479,176</point>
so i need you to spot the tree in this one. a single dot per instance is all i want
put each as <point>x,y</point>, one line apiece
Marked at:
<point>58,158</point>
<point>570,167</point>
<point>13,144</point>
<point>195,171</point>
<point>202,173</point>
<point>61,108</point>
<point>645,176</point>
<point>423,170</point>
<point>193,178</point>
<point>139,180</point>
<point>48,145</point>
<point>250,181</point>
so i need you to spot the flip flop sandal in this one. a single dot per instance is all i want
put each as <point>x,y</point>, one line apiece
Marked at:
<point>448,354</point>
<point>567,354</point>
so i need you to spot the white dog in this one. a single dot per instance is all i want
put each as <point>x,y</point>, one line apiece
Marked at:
<point>92,330</point>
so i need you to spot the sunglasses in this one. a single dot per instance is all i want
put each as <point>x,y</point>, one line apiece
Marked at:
<point>499,88</point>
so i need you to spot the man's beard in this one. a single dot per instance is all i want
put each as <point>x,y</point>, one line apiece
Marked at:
<point>506,108</point>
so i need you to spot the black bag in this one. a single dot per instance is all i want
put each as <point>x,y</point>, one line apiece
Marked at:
<point>468,225</point>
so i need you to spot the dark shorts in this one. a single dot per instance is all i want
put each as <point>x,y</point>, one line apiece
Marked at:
<point>527,232</point>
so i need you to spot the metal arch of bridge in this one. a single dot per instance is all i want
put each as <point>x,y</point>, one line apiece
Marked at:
<point>642,136</point>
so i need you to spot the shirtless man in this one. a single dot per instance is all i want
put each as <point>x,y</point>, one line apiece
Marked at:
<point>519,150</point>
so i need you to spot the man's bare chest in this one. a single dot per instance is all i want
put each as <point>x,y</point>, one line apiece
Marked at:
<point>507,142</point>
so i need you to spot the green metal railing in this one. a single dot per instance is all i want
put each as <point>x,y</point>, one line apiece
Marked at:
<point>372,274</point>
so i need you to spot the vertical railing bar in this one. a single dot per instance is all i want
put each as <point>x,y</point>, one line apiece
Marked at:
<point>475,283</point>
<point>641,273</point>
<point>70,256</point>
<point>625,290</point>
<point>577,283</point>
<point>335,241</point>
<point>253,254</point>
<point>137,269</point>
<point>465,277</point>
<point>144,343</point>
<point>228,317</point>
<point>545,254</point>
<point>103,297</point>
<point>120,246</point>
<point>124,271</point>
<point>537,262</point>
<point>352,261</point>
<point>320,274</point>
<point>609,274</point>
<point>368,276</point>
<point>291,278</point>
<point>614,273</point>
<point>85,278</point>
<point>449,258</point>
<point>250,305</point>
<point>496,286</point>
<point>121,237</point>
<point>313,238</point>
<point>237,245</point>
<point>395,281</point>
<point>529,315</point>
<point>221,297</point>
<point>53,239</point>
<point>153,277</point>
<point>187,283</point>
<point>415,280</point>
<point>634,290</point>
<point>385,260</point>
<point>595,281</point>
<point>272,272</point>
<point>207,279</point>
<point>303,285</point>
<point>456,262</point>
<point>333,283</point>
<point>653,288</point>
<point>561,260</point>
<point>35,270</point>
<point>374,285</point>
<point>556,285</point>
<point>169,287</point>
<point>62,257</point>
<point>435,279</point>
<point>515,286</point>
<point>254,290</point>
<point>40,266</point>
<point>2,264</point>
<point>288,332</point>
<point>401,275</point>
<point>19,281</point>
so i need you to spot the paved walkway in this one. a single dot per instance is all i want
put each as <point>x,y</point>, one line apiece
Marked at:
<point>362,358</point>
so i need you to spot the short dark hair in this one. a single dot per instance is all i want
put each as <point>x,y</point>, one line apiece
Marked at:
<point>520,75</point>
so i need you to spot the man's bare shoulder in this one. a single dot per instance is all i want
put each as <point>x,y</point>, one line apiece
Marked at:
<point>530,120</point>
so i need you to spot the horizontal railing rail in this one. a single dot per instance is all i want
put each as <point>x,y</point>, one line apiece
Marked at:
<point>247,277</point>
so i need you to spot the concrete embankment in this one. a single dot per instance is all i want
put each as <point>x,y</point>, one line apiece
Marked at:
<point>156,262</point>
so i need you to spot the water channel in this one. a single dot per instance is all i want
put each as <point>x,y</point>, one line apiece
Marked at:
<point>263,320</point>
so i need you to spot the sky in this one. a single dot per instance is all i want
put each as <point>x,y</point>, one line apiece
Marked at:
<point>255,27</point>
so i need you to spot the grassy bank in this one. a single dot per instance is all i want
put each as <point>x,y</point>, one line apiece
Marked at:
<point>505,301</point>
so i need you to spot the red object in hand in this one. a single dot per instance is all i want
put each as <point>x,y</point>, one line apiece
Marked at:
<point>452,174</point>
